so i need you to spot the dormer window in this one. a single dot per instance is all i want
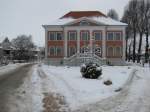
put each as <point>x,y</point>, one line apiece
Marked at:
<point>84,23</point>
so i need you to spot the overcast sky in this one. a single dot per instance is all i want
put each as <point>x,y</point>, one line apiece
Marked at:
<point>26,16</point>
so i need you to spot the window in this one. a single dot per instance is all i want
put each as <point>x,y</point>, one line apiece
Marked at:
<point>58,51</point>
<point>110,51</point>
<point>84,23</point>
<point>118,51</point>
<point>117,36</point>
<point>72,35</point>
<point>85,35</point>
<point>51,36</point>
<point>97,35</point>
<point>59,35</point>
<point>110,36</point>
<point>72,51</point>
<point>52,50</point>
<point>114,36</point>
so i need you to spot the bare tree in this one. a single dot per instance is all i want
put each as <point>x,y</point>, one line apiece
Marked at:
<point>23,45</point>
<point>113,14</point>
<point>140,25</point>
<point>147,27</point>
<point>126,19</point>
<point>131,14</point>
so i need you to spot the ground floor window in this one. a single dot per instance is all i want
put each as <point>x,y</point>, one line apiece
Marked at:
<point>118,51</point>
<point>55,50</point>
<point>72,50</point>
<point>110,51</point>
<point>52,51</point>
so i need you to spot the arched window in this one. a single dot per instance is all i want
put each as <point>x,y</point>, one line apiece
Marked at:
<point>59,51</point>
<point>118,51</point>
<point>72,51</point>
<point>52,51</point>
<point>110,51</point>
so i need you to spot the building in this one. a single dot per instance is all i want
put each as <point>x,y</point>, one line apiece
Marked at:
<point>85,32</point>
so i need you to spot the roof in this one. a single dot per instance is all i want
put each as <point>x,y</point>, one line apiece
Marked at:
<point>94,16</point>
<point>79,14</point>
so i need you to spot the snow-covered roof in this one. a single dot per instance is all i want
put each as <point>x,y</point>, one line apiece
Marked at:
<point>100,20</point>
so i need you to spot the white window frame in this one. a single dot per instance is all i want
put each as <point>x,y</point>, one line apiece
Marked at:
<point>120,54</point>
<point>99,33</point>
<point>114,35</point>
<point>108,50</point>
<point>88,35</point>
<point>60,50</point>
<point>49,33</point>
<point>120,36</point>
<point>69,33</point>
<point>50,50</point>
<point>56,33</point>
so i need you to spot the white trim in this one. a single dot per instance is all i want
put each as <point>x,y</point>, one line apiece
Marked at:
<point>75,32</point>
<point>99,33</point>
<point>114,35</point>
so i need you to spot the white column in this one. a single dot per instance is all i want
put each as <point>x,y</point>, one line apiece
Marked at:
<point>65,43</point>
<point>124,44</point>
<point>78,41</point>
<point>46,44</point>
<point>91,41</point>
<point>104,43</point>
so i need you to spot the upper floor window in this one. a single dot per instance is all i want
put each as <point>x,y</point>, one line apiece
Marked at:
<point>85,35</point>
<point>98,35</point>
<point>72,35</point>
<point>110,36</point>
<point>117,35</point>
<point>54,35</point>
<point>58,36</point>
<point>84,23</point>
<point>51,36</point>
<point>114,36</point>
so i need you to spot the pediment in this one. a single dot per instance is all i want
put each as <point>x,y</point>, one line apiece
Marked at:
<point>84,22</point>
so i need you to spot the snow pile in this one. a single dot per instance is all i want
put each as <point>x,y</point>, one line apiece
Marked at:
<point>79,91</point>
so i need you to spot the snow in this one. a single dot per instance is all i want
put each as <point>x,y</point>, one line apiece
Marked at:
<point>108,21</point>
<point>9,68</point>
<point>130,41</point>
<point>79,91</point>
<point>100,20</point>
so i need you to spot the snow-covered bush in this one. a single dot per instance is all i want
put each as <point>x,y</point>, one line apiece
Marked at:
<point>91,71</point>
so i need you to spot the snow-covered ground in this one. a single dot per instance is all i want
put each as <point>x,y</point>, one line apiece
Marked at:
<point>79,91</point>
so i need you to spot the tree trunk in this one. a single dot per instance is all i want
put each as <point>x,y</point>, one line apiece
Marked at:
<point>134,46</point>
<point>126,48</point>
<point>139,49</point>
<point>146,49</point>
<point>129,56</point>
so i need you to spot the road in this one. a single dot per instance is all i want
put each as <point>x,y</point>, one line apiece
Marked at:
<point>13,94</point>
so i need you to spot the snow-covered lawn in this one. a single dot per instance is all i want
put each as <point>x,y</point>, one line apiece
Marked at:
<point>79,91</point>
